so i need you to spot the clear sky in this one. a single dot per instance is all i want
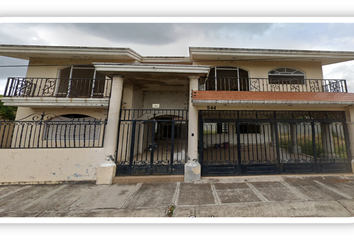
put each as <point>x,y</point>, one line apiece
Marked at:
<point>173,39</point>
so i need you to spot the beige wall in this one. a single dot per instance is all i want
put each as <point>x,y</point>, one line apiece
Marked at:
<point>260,70</point>
<point>138,98</point>
<point>312,70</point>
<point>50,165</point>
<point>132,97</point>
<point>167,100</point>
<point>52,71</point>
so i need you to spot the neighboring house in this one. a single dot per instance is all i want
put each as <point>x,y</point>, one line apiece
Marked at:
<point>89,114</point>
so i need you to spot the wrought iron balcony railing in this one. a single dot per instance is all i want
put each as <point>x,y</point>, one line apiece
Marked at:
<point>272,85</point>
<point>58,87</point>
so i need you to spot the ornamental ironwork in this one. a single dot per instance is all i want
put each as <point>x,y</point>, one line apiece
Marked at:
<point>42,130</point>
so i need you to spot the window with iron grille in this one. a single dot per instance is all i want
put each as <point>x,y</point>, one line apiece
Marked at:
<point>222,127</point>
<point>286,75</point>
<point>72,127</point>
<point>249,128</point>
<point>84,78</point>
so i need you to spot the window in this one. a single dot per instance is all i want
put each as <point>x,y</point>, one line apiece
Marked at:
<point>80,79</point>
<point>72,127</point>
<point>226,79</point>
<point>222,127</point>
<point>286,76</point>
<point>249,128</point>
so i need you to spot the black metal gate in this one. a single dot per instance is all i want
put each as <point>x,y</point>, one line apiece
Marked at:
<point>271,142</point>
<point>152,142</point>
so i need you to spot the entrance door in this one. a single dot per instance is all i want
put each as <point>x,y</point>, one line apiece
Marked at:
<point>152,147</point>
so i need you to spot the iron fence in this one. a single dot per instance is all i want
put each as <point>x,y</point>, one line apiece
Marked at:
<point>58,87</point>
<point>43,132</point>
<point>272,85</point>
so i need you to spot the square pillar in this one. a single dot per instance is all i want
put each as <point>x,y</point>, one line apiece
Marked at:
<point>349,113</point>
<point>192,169</point>
<point>106,171</point>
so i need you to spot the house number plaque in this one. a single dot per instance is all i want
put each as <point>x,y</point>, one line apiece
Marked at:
<point>211,107</point>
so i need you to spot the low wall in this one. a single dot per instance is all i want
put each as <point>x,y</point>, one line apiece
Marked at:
<point>49,165</point>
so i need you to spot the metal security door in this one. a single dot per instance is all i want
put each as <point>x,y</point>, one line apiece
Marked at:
<point>155,146</point>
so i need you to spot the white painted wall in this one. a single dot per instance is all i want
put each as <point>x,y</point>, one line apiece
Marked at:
<point>50,165</point>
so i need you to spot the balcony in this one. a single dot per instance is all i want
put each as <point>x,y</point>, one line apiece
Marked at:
<point>272,85</point>
<point>32,92</point>
<point>330,93</point>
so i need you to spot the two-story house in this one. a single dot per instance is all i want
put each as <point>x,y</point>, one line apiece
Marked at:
<point>92,114</point>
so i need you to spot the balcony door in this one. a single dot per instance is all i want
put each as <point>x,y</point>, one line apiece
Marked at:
<point>81,81</point>
<point>228,79</point>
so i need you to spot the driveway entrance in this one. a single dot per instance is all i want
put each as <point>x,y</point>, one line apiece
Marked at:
<point>271,142</point>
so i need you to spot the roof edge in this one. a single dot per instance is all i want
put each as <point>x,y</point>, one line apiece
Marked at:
<point>22,51</point>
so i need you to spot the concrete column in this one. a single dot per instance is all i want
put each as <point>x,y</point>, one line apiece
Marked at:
<point>106,171</point>
<point>350,123</point>
<point>192,167</point>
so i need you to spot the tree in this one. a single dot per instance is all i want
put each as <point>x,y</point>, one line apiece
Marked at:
<point>6,112</point>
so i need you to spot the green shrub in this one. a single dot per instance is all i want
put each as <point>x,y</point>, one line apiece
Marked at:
<point>305,142</point>
<point>6,112</point>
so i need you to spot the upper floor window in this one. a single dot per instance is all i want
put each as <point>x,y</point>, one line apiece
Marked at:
<point>80,81</point>
<point>80,71</point>
<point>226,79</point>
<point>286,75</point>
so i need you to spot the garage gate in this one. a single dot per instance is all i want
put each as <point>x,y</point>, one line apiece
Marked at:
<point>273,142</point>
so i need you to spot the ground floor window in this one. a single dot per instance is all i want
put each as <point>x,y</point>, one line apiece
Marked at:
<point>71,127</point>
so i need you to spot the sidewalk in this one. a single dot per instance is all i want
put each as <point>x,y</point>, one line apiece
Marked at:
<point>330,195</point>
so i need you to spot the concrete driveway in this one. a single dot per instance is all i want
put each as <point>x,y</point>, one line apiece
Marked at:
<point>255,196</point>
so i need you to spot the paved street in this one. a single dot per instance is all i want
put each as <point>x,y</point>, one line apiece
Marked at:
<point>253,196</point>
